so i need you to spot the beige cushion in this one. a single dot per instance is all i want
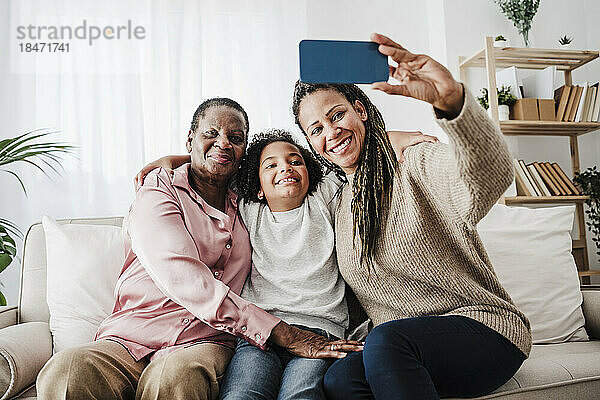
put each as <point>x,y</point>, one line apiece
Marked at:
<point>84,262</point>
<point>530,250</point>
<point>32,302</point>
<point>24,349</point>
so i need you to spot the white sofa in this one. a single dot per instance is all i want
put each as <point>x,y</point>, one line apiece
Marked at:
<point>556,371</point>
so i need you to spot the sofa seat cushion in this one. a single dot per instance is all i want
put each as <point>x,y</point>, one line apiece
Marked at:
<point>29,394</point>
<point>554,371</point>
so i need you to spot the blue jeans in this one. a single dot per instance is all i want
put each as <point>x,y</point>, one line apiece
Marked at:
<point>274,374</point>
<point>425,358</point>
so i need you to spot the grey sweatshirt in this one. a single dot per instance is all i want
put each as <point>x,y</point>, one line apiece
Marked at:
<point>295,274</point>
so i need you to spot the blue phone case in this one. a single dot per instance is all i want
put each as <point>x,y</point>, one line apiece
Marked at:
<point>336,61</point>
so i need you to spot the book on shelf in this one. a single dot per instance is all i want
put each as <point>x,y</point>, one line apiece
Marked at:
<point>591,102</point>
<point>542,179</point>
<point>596,110</point>
<point>573,98</point>
<point>582,103</point>
<point>524,187</point>
<point>547,180</point>
<point>538,181</point>
<point>566,179</point>
<point>561,98</point>
<point>532,186</point>
<point>576,102</point>
<point>564,189</point>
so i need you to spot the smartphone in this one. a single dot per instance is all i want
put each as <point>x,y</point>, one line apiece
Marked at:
<point>337,61</point>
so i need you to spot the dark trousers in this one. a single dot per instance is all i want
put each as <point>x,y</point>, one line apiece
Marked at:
<point>425,358</point>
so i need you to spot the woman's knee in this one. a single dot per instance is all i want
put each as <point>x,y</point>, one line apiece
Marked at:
<point>388,344</point>
<point>173,377</point>
<point>345,378</point>
<point>70,373</point>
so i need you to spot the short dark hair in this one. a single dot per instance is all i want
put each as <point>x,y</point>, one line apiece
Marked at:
<point>248,181</point>
<point>216,102</point>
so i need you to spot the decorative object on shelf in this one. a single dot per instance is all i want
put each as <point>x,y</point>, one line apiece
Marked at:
<point>25,148</point>
<point>589,183</point>
<point>521,13</point>
<point>565,42</point>
<point>505,101</point>
<point>500,41</point>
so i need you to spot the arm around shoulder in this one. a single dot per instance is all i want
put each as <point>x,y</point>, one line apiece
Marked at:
<point>168,253</point>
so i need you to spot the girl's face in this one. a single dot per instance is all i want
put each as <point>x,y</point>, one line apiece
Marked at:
<point>218,144</point>
<point>283,176</point>
<point>334,127</point>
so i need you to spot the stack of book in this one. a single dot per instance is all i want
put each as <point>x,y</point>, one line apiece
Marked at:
<point>542,179</point>
<point>578,103</point>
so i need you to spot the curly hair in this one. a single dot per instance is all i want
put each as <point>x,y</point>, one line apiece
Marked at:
<point>216,102</point>
<point>373,180</point>
<point>248,181</point>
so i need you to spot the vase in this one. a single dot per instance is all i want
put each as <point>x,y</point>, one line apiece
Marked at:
<point>503,112</point>
<point>566,46</point>
<point>501,43</point>
<point>525,37</point>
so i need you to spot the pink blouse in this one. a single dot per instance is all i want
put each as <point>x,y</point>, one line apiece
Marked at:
<point>186,263</point>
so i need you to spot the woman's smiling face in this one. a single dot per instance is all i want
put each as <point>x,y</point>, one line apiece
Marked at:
<point>334,127</point>
<point>218,144</point>
<point>283,176</point>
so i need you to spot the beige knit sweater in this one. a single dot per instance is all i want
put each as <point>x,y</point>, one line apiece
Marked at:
<point>429,259</point>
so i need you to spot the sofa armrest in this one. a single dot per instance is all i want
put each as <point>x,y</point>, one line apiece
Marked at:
<point>591,311</point>
<point>24,349</point>
<point>8,316</point>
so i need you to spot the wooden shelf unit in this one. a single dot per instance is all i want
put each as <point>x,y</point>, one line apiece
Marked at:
<point>544,199</point>
<point>490,58</point>
<point>547,128</point>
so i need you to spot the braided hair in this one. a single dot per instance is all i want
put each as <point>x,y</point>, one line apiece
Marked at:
<point>373,179</point>
<point>248,180</point>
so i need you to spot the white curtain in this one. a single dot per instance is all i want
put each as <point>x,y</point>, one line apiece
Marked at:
<point>126,102</point>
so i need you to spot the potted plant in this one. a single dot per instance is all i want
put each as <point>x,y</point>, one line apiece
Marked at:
<point>521,13</point>
<point>505,101</point>
<point>25,148</point>
<point>589,183</point>
<point>565,42</point>
<point>500,41</point>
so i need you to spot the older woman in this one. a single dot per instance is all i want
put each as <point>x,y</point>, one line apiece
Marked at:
<point>178,311</point>
<point>406,238</point>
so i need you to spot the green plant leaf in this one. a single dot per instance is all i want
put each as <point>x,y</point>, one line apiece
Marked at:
<point>11,227</point>
<point>5,261</point>
<point>2,299</point>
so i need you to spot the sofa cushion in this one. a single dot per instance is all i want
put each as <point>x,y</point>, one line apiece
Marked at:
<point>83,266</point>
<point>530,250</point>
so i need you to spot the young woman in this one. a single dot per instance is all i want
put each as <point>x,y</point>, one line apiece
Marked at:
<point>406,238</point>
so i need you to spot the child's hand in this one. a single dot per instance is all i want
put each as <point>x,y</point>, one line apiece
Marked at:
<point>168,163</point>
<point>401,140</point>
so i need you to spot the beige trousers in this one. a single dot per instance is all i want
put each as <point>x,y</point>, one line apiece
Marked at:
<point>105,370</point>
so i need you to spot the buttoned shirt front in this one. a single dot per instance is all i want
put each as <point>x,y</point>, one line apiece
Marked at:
<point>186,263</point>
